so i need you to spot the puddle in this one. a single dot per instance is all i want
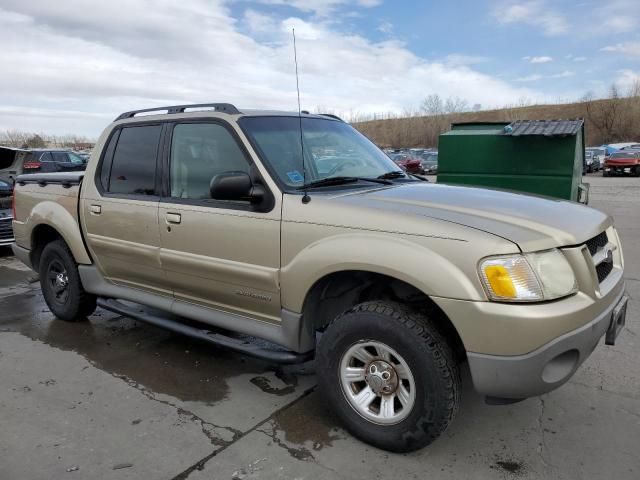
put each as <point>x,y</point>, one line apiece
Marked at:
<point>308,422</point>
<point>161,361</point>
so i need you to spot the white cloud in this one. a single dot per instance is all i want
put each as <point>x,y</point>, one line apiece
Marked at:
<point>89,62</point>
<point>628,80</point>
<point>385,27</point>
<point>627,48</point>
<point>579,59</point>
<point>530,78</point>
<point>542,59</point>
<point>322,8</point>
<point>565,74</point>
<point>458,59</point>
<point>536,13</point>
<point>617,16</point>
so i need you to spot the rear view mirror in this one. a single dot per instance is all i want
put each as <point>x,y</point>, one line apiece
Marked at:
<point>235,186</point>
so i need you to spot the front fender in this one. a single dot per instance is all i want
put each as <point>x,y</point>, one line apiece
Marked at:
<point>395,256</point>
<point>57,217</point>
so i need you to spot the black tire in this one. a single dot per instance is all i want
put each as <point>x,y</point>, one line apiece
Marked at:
<point>72,303</point>
<point>425,351</point>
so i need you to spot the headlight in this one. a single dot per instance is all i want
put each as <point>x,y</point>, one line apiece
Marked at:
<point>531,277</point>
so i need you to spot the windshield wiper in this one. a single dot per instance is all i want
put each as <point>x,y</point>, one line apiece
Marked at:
<point>325,182</point>
<point>393,174</point>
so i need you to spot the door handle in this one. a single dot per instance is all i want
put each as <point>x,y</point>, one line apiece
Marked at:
<point>173,218</point>
<point>95,209</point>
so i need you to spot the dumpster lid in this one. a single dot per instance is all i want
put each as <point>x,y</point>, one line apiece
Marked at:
<point>549,128</point>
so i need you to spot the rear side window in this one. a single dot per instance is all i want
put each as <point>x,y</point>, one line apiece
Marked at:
<point>60,157</point>
<point>133,169</point>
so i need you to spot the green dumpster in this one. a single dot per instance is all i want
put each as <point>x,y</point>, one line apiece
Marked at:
<point>544,157</point>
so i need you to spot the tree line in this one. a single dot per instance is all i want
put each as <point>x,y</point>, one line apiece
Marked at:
<point>21,139</point>
<point>615,118</point>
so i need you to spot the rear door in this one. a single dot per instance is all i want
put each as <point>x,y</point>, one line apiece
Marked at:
<point>221,254</point>
<point>121,218</point>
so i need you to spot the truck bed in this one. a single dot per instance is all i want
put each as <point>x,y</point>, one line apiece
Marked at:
<point>31,190</point>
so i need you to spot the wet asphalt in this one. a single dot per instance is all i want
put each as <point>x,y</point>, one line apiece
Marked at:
<point>116,398</point>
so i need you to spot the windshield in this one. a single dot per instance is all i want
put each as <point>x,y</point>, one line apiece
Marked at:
<point>331,149</point>
<point>625,155</point>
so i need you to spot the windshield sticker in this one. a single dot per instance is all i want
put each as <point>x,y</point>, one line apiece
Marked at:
<point>295,176</point>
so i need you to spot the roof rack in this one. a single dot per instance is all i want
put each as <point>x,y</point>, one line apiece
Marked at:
<point>331,115</point>
<point>218,107</point>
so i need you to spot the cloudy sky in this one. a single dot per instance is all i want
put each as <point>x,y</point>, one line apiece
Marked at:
<point>70,66</point>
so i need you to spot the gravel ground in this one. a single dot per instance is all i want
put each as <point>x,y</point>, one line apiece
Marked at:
<point>116,399</point>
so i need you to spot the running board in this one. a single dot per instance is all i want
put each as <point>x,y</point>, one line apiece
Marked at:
<point>275,356</point>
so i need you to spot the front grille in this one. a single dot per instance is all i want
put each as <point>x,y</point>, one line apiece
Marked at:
<point>6,230</point>
<point>603,270</point>
<point>597,242</point>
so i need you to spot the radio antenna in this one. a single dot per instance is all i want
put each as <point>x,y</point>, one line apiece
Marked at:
<point>305,197</point>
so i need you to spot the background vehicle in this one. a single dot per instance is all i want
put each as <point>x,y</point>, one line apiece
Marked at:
<point>204,216</point>
<point>592,162</point>
<point>6,215</point>
<point>430,162</point>
<point>408,162</point>
<point>599,154</point>
<point>6,187</point>
<point>47,160</point>
<point>624,162</point>
<point>11,160</point>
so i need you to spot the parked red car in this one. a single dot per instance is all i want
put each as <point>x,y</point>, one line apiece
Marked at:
<point>408,162</point>
<point>622,163</point>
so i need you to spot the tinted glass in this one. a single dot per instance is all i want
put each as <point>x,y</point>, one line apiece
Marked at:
<point>200,151</point>
<point>6,158</point>
<point>331,149</point>
<point>133,170</point>
<point>44,157</point>
<point>60,157</point>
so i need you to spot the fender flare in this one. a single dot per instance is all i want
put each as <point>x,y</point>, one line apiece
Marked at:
<point>395,257</point>
<point>59,219</point>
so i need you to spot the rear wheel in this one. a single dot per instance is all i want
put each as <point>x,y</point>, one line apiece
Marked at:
<point>389,375</point>
<point>61,284</point>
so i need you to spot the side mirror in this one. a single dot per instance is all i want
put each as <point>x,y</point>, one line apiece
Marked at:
<point>235,186</point>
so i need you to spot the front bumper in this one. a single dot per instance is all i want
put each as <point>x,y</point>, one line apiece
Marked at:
<point>544,369</point>
<point>22,254</point>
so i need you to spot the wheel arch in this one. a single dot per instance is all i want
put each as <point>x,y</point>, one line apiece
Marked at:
<point>339,291</point>
<point>50,221</point>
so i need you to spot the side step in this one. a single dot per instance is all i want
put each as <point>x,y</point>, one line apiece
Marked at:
<point>271,355</point>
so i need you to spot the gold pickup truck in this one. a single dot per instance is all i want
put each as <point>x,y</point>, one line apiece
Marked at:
<point>296,229</point>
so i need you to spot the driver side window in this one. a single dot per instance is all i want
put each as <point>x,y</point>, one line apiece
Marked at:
<point>200,151</point>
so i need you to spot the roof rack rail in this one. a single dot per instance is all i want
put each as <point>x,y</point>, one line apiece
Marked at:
<point>331,115</point>
<point>218,107</point>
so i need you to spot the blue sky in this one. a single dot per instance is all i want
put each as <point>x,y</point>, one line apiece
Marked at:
<point>76,64</point>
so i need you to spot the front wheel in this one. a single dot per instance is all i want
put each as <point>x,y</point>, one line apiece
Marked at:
<point>389,375</point>
<point>61,285</point>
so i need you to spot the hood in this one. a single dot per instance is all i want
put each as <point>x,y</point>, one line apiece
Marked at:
<point>532,222</point>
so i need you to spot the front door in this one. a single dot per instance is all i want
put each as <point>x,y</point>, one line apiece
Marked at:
<point>220,254</point>
<point>121,213</point>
